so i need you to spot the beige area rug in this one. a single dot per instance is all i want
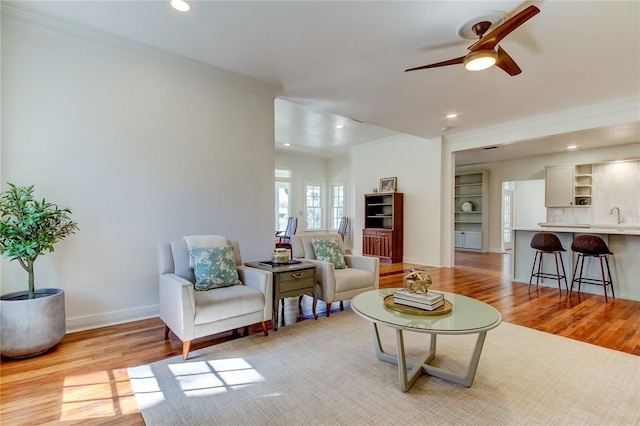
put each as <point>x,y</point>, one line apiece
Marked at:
<point>325,371</point>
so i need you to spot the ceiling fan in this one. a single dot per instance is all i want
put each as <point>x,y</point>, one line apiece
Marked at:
<point>482,53</point>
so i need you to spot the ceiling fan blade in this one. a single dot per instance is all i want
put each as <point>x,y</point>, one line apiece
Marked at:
<point>439,64</point>
<point>505,62</point>
<point>490,40</point>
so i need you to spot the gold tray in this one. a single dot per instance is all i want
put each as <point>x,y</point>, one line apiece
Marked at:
<point>389,303</point>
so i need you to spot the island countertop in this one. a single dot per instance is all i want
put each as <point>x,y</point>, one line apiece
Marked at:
<point>621,229</point>
<point>623,241</point>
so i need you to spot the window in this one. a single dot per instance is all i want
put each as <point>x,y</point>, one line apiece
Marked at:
<point>283,201</point>
<point>313,206</point>
<point>337,205</point>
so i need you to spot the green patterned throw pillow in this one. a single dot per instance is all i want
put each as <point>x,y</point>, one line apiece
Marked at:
<point>214,267</point>
<point>329,251</point>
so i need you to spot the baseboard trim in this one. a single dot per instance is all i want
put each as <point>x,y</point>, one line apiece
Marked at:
<point>91,322</point>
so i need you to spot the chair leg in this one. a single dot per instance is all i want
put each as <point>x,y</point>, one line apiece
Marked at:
<point>341,305</point>
<point>265,330</point>
<point>533,268</point>
<point>575,272</point>
<point>166,332</point>
<point>606,261</point>
<point>555,255</point>
<point>186,347</point>
<point>328,308</point>
<point>564,273</point>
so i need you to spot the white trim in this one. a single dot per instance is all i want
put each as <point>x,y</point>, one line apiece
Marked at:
<point>616,112</point>
<point>91,322</point>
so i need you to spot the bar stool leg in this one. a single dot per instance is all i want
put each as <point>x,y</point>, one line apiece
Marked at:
<point>564,273</point>
<point>555,255</point>
<point>533,268</point>
<point>613,293</point>
<point>580,265</point>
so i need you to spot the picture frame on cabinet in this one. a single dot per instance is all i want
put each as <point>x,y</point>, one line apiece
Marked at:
<point>388,184</point>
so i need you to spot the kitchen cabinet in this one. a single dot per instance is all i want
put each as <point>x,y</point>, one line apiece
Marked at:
<point>468,240</point>
<point>568,186</point>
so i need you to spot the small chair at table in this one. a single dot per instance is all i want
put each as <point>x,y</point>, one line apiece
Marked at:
<point>285,236</point>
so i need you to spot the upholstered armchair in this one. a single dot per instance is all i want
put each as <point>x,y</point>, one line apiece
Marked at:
<point>191,314</point>
<point>333,284</point>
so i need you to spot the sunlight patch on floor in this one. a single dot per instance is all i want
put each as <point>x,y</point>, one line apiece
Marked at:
<point>97,394</point>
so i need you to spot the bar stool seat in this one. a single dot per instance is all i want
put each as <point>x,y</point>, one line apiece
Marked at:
<point>592,246</point>
<point>547,243</point>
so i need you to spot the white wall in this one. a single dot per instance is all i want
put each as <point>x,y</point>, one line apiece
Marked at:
<point>416,163</point>
<point>144,147</point>
<point>528,204</point>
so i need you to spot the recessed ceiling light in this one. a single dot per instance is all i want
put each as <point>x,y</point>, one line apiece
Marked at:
<point>339,126</point>
<point>452,115</point>
<point>572,146</point>
<point>287,144</point>
<point>180,5</point>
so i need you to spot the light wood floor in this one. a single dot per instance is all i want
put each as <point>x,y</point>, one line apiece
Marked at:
<point>84,379</point>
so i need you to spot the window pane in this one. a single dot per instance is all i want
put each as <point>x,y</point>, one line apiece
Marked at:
<point>337,205</point>
<point>283,174</point>
<point>282,205</point>
<point>314,206</point>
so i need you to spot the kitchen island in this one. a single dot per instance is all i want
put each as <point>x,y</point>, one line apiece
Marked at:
<point>623,241</point>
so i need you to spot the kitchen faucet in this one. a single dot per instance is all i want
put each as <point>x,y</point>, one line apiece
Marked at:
<point>618,210</point>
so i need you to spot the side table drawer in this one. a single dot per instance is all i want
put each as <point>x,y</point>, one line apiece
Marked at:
<point>296,281</point>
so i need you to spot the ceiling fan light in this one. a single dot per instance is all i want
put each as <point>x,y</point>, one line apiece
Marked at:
<point>480,59</point>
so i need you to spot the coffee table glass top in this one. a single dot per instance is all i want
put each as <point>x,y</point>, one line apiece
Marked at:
<point>468,315</point>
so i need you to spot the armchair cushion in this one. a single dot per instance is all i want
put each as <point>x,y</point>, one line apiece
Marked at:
<point>329,251</point>
<point>227,302</point>
<point>214,267</point>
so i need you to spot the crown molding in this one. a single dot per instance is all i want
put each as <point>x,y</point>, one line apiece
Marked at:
<point>13,13</point>
<point>619,111</point>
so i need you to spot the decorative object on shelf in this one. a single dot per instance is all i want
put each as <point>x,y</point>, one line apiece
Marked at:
<point>417,281</point>
<point>467,206</point>
<point>280,255</point>
<point>388,184</point>
<point>389,303</point>
<point>374,190</point>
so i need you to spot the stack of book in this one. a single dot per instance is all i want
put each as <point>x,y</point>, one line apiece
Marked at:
<point>428,301</point>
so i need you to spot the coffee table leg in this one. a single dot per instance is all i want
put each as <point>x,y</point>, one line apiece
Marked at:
<point>467,379</point>
<point>409,372</point>
<point>406,379</point>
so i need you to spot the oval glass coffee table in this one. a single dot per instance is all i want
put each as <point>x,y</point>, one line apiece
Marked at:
<point>468,316</point>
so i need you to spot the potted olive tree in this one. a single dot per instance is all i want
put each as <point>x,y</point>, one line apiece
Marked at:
<point>33,321</point>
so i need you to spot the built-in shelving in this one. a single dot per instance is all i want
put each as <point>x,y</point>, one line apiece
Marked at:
<point>470,225</point>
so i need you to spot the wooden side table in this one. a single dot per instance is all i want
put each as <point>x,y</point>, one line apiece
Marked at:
<point>290,281</point>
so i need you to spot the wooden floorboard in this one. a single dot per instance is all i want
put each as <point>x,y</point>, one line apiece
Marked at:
<point>84,379</point>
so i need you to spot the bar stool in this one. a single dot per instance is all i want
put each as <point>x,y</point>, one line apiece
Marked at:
<point>545,242</point>
<point>592,246</point>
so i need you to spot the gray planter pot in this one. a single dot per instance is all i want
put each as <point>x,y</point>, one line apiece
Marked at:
<point>31,326</point>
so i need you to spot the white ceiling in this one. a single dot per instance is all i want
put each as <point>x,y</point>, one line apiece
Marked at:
<point>343,62</point>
